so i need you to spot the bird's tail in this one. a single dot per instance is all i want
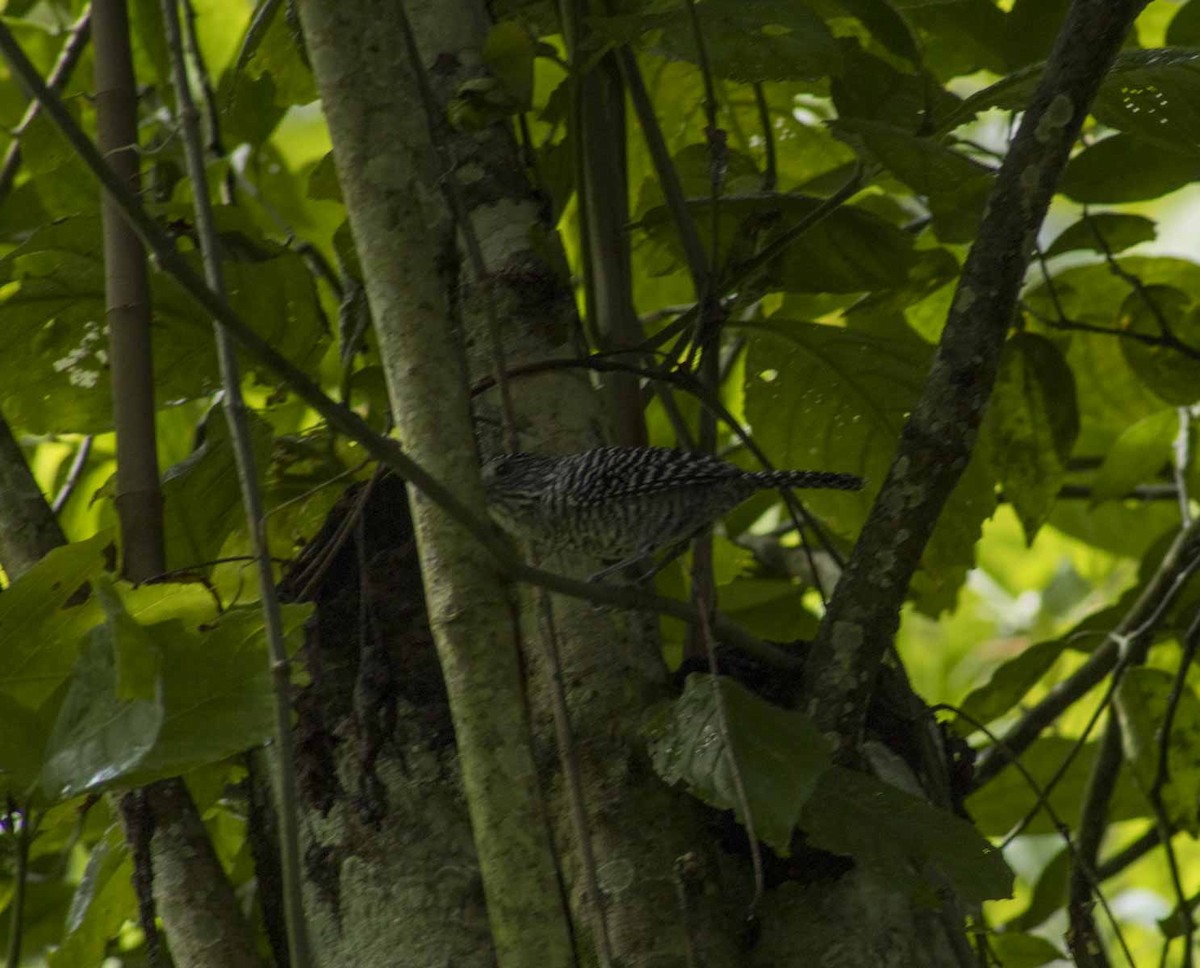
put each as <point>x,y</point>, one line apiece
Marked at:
<point>825,480</point>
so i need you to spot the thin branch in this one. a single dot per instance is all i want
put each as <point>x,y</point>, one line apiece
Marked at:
<point>770,175</point>
<point>239,431</point>
<point>569,765</point>
<point>1181,459</point>
<point>73,475</point>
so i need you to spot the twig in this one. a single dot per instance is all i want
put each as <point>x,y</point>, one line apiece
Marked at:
<point>1181,453</point>
<point>73,475</point>
<point>239,432</point>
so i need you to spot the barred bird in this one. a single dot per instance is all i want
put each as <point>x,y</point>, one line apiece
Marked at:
<point>625,503</point>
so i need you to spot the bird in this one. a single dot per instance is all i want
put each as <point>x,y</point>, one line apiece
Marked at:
<point>626,503</point>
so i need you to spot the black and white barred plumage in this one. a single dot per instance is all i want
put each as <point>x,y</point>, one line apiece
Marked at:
<point>626,502</point>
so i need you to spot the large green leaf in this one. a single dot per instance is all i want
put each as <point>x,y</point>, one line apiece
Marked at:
<point>1127,168</point>
<point>828,398</point>
<point>217,689</point>
<point>957,187</point>
<point>1152,93</point>
<point>1164,312</point>
<point>202,495</point>
<point>1016,950</point>
<point>851,250</point>
<point>959,37</point>
<point>780,754</point>
<point>1112,230</point>
<point>1138,454</point>
<point>98,737</point>
<point>101,904</point>
<point>900,837</point>
<point>39,635</point>
<point>1032,423</point>
<point>761,41</point>
<point>832,398</point>
<point>55,376</point>
<point>1007,685</point>
<point>872,88</point>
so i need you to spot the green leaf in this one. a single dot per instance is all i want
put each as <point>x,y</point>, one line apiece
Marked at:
<point>1008,685</point>
<point>899,837</point>
<point>323,184</point>
<point>886,25</point>
<point>202,495</point>
<point>1154,93</point>
<point>39,637</point>
<point>851,250</point>
<point>101,905</point>
<point>769,608</point>
<point>1184,29</point>
<point>1032,423</point>
<point>957,187</point>
<point>831,398</point>
<point>1007,798</point>
<point>138,658</point>
<point>1118,231</point>
<point>959,37</point>
<point>279,53</point>
<point>926,166</point>
<point>218,692</point>
<point>1139,453</point>
<point>871,88</point>
<point>1142,698</point>
<point>1023,950</point>
<point>763,41</point>
<point>508,53</point>
<point>98,737</point>
<point>55,374</point>
<point>780,754</point>
<point>1164,369</point>
<point>1126,168</point>
<point>22,740</point>
<point>1030,29</point>
<point>1049,893</point>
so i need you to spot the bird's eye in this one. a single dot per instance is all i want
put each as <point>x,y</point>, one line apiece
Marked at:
<point>500,469</point>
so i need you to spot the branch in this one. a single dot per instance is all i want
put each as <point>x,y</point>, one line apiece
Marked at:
<point>938,438</point>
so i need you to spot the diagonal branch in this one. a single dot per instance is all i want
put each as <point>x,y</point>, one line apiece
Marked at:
<point>938,438</point>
